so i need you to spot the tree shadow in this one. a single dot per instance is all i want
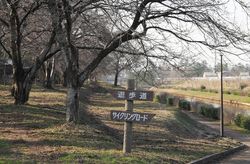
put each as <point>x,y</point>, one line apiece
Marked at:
<point>92,120</point>
<point>29,117</point>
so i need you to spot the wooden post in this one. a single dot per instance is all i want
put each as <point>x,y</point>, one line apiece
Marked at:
<point>127,139</point>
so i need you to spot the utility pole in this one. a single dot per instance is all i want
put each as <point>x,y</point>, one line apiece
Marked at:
<point>221,94</point>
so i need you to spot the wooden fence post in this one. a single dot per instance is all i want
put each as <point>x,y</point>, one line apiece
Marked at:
<point>127,139</point>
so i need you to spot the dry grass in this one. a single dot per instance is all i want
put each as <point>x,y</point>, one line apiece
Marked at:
<point>36,132</point>
<point>215,84</point>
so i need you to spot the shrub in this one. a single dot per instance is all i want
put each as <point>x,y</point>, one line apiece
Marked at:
<point>227,92</point>
<point>210,112</point>
<point>203,87</point>
<point>237,119</point>
<point>163,98</point>
<point>242,121</point>
<point>160,98</point>
<point>170,101</point>
<point>157,98</point>
<point>242,86</point>
<point>184,104</point>
<point>245,122</point>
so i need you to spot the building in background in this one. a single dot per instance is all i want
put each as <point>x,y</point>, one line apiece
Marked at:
<point>5,71</point>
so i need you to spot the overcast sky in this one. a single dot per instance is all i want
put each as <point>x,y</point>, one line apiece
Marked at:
<point>238,16</point>
<point>234,14</point>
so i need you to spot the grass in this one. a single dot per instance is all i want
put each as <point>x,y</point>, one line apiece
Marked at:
<point>37,133</point>
<point>210,95</point>
<point>238,129</point>
<point>229,84</point>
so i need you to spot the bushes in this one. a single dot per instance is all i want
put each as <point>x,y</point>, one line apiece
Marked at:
<point>242,86</point>
<point>203,87</point>
<point>157,98</point>
<point>210,112</point>
<point>242,121</point>
<point>170,101</point>
<point>183,104</point>
<point>245,122</point>
<point>160,98</point>
<point>237,119</point>
<point>227,92</point>
<point>164,99</point>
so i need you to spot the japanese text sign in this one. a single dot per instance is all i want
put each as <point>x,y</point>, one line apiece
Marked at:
<point>131,116</point>
<point>133,95</point>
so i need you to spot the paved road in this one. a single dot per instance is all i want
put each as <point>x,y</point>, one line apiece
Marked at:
<point>242,157</point>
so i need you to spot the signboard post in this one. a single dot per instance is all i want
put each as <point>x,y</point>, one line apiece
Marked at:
<point>129,116</point>
<point>127,138</point>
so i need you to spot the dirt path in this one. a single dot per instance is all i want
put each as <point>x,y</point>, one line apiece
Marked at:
<point>242,157</point>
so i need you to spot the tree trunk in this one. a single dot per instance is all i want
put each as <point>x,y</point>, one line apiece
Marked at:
<point>21,92</point>
<point>116,78</point>
<point>21,87</point>
<point>23,79</point>
<point>65,78</point>
<point>49,73</point>
<point>71,54</point>
<point>48,81</point>
<point>72,105</point>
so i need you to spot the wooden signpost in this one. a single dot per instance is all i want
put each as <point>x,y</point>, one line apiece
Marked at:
<point>129,116</point>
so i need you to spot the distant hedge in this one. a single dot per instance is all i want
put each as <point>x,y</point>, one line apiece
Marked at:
<point>185,105</point>
<point>170,101</point>
<point>161,98</point>
<point>157,98</point>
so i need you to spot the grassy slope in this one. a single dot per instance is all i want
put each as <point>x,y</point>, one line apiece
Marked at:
<point>243,99</point>
<point>36,132</point>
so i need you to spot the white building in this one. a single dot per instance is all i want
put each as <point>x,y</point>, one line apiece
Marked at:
<point>209,74</point>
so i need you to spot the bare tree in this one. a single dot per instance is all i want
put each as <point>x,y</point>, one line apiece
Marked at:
<point>126,58</point>
<point>24,34</point>
<point>146,20</point>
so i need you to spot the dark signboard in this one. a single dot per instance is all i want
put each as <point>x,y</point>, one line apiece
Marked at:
<point>131,116</point>
<point>133,95</point>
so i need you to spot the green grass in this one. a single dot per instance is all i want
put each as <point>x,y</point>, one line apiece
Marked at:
<point>37,132</point>
<point>106,157</point>
<point>238,129</point>
<point>210,95</point>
